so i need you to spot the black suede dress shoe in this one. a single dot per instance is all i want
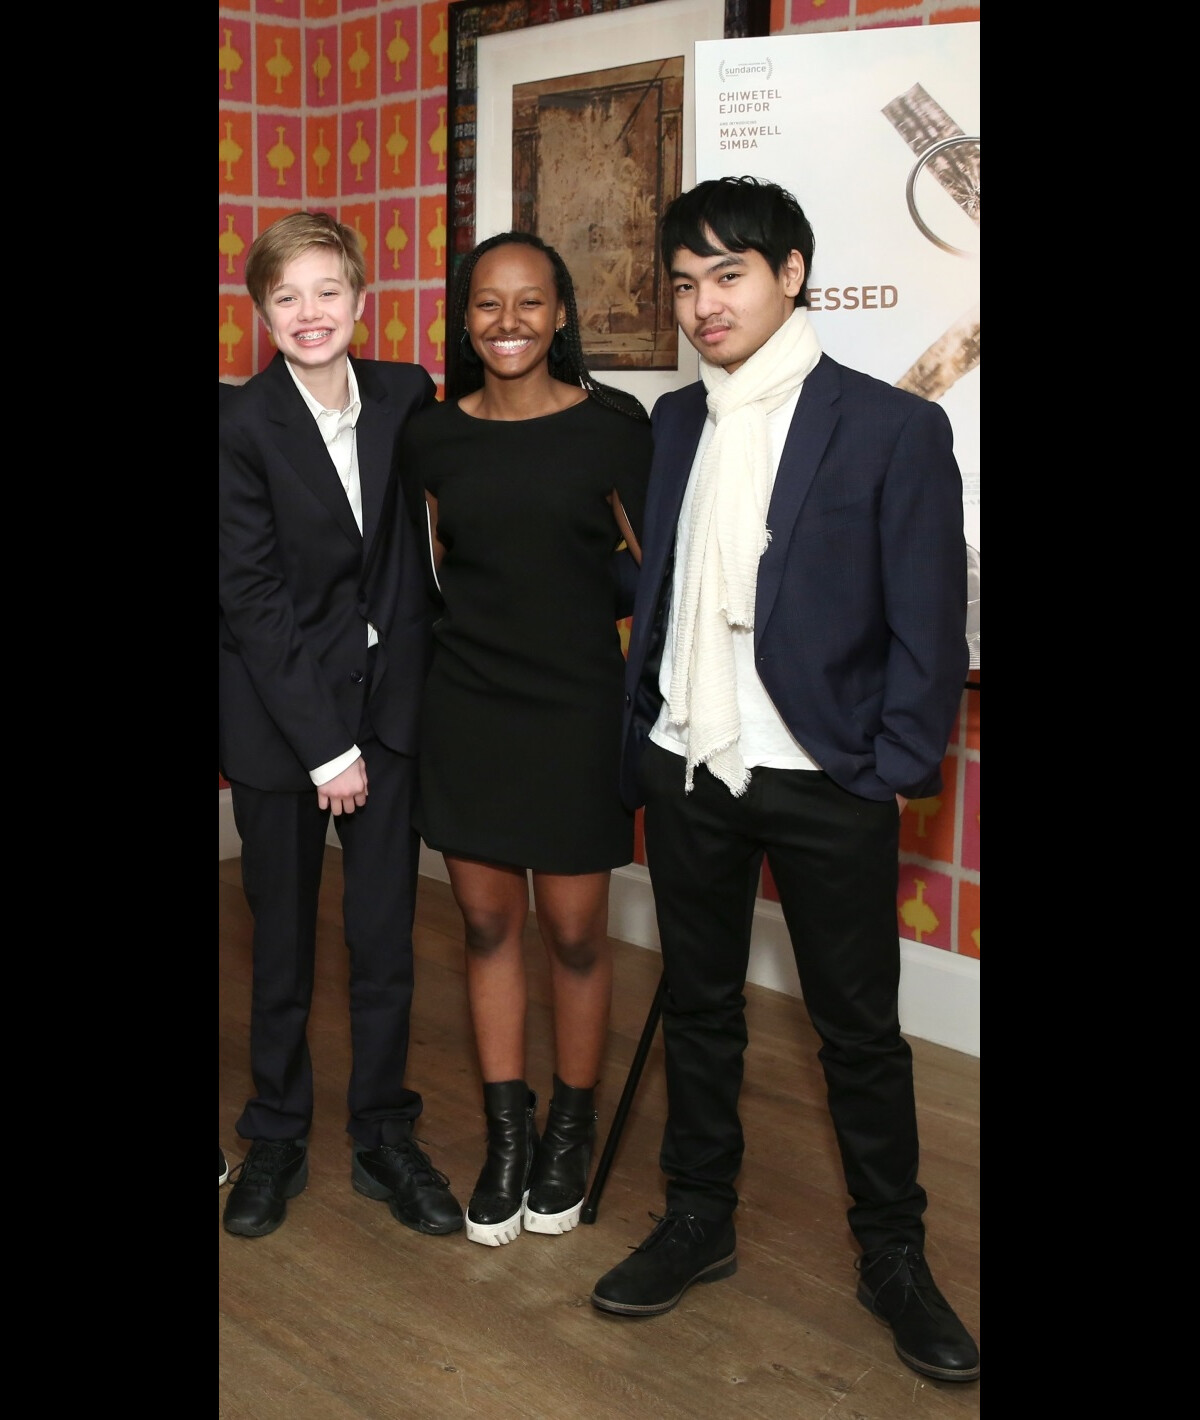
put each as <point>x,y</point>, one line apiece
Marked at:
<point>895,1286</point>
<point>418,1195</point>
<point>272,1172</point>
<point>681,1250</point>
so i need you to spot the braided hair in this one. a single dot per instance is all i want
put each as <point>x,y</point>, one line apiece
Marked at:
<point>464,370</point>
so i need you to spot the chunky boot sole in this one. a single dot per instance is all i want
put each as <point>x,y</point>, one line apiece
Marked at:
<point>553,1224</point>
<point>495,1234</point>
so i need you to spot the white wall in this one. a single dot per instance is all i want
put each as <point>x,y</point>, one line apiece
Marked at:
<point>939,990</point>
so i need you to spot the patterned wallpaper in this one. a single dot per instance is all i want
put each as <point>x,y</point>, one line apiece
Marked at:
<point>342,105</point>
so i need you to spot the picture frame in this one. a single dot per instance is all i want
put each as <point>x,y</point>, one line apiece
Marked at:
<point>491,52</point>
<point>597,157</point>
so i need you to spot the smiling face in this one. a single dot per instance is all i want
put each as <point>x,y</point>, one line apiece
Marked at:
<point>731,303</point>
<point>513,310</point>
<point>312,310</point>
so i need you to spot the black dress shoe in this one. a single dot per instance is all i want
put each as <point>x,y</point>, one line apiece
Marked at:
<point>418,1195</point>
<point>272,1172</point>
<point>681,1250</point>
<point>896,1287</point>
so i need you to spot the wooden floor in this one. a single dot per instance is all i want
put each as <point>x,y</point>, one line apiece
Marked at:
<point>343,1314</point>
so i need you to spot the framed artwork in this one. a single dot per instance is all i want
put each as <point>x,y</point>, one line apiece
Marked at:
<point>582,131</point>
<point>596,158</point>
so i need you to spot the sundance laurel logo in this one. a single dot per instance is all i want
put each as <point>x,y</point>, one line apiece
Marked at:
<point>746,69</point>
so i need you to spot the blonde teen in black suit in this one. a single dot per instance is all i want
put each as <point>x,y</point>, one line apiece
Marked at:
<point>324,638</point>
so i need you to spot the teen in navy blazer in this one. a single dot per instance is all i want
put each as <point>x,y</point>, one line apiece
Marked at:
<point>796,663</point>
<point>858,630</point>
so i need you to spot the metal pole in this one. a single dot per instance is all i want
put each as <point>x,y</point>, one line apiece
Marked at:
<point>631,1083</point>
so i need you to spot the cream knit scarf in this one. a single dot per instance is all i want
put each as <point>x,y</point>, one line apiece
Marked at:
<point>727,535</point>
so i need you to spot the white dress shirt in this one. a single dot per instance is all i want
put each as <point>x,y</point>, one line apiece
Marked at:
<point>337,429</point>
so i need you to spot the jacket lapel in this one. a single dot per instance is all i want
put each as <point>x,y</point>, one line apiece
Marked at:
<point>375,432</point>
<point>813,424</point>
<point>678,423</point>
<point>300,442</point>
<point>678,434</point>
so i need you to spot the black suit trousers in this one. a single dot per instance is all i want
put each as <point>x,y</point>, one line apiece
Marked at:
<point>283,847</point>
<point>834,859</point>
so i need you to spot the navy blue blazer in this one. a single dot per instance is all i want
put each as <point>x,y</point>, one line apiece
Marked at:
<point>860,612</point>
<point>298,582</point>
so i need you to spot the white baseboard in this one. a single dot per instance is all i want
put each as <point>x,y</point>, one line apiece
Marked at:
<point>939,990</point>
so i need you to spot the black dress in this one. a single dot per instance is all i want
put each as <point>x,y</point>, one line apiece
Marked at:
<point>521,717</point>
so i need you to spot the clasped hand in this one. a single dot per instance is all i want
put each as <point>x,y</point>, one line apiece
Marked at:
<point>347,791</point>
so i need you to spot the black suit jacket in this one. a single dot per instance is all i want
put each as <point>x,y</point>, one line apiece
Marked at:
<point>298,581</point>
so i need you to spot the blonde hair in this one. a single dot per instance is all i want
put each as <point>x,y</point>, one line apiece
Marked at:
<point>292,236</point>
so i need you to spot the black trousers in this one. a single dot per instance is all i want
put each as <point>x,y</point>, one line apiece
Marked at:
<point>283,849</point>
<point>834,858</point>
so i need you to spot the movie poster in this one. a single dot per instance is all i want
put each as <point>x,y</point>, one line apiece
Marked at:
<point>876,133</point>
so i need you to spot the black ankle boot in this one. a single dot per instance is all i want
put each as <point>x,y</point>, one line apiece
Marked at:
<point>559,1183</point>
<point>494,1212</point>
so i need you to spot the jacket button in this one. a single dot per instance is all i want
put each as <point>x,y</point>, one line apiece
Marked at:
<point>357,677</point>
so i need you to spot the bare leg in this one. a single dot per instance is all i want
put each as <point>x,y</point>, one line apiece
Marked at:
<point>494,902</point>
<point>572,916</point>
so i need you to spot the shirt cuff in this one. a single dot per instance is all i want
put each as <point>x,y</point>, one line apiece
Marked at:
<point>325,772</point>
